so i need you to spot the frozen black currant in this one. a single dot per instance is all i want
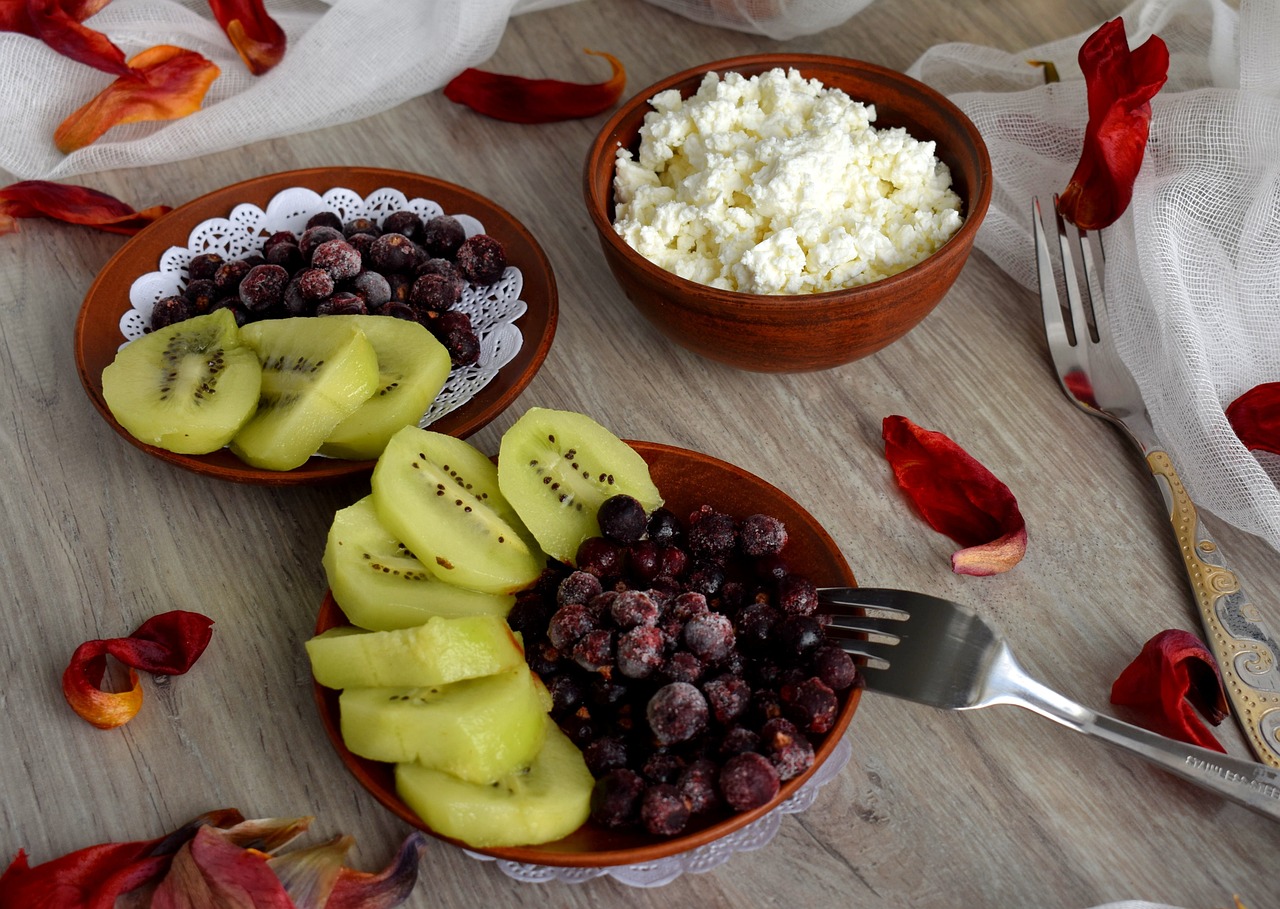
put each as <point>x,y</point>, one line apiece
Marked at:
<point>748,780</point>
<point>663,810</point>
<point>640,651</point>
<point>762,534</point>
<point>676,713</point>
<point>481,259</point>
<point>615,799</point>
<point>622,519</point>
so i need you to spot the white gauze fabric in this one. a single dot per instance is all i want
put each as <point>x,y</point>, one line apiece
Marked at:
<point>778,19</point>
<point>1193,277</point>
<point>345,60</point>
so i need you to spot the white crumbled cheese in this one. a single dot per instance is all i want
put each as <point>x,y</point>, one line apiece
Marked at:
<point>774,184</point>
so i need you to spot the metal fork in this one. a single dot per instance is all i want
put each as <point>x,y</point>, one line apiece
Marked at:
<point>1094,379</point>
<point>942,654</point>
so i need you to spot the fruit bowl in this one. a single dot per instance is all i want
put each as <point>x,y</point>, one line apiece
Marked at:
<point>807,331</point>
<point>687,480</point>
<point>110,313</point>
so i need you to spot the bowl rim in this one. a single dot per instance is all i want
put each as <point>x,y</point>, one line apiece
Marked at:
<point>603,149</point>
<point>361,769</point>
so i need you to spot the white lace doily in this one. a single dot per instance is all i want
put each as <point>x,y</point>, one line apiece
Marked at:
<point>755,835</point>
<point>493,309</point>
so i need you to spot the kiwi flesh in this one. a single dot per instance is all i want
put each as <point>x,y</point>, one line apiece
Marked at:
<point>557,467</point>
<point>412,368</point>
<point>440,496</point>
<point>316,372</point>
<point>382,586</point>
<point>188,387</point>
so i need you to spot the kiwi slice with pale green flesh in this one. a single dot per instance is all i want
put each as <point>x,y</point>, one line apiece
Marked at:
<point>412,368</point>
<point>188,387</point>
<point>316,372</point>
<point>382,586</point>
<point>556,467</point>
<point>439,495</point>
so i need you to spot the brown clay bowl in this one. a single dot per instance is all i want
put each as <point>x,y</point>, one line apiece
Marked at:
<point>687,479</point>
<point>797,333</point>
<point>97,331</point>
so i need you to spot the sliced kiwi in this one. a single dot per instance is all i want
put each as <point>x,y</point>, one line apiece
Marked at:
<point>188,387</point>
<point>382,586</point>
<point>440,496</point>
<point>556,467</point>
<point>412,368</point>
<point>315,373</point>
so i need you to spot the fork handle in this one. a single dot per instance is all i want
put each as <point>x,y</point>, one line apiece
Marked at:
<point>1236,631</point>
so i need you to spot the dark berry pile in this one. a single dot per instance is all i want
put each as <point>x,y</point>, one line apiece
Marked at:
<point>685,660</point>
<point>404,267</point>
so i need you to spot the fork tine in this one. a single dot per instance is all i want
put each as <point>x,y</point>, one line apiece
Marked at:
<point>1069,237</point>
<point>1055,325</point>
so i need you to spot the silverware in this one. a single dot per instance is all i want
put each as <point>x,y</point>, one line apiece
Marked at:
<point>941,654</point>
<point>1095,380</point>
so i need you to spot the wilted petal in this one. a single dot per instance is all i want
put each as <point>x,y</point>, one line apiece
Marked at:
<point>73,204</point>
<point>95,877</point>
<point>386,889</point>
<point>58,24</point>
<point>1255,417</point>
<point>257,38</point>
<point>211,872</point>
<point>265,834</point>
<point>309,875</point>
<point>521,100</point>
<point>164,83</point>
<point>166,644</point>
<point>1170,679</point>
<point>1120,85</point>
<point>957,496</point>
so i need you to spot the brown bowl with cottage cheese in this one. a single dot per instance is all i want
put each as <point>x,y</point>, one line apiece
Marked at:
<point>787,212</point>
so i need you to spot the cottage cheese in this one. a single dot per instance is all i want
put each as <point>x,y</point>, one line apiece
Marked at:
<point>774,184</point>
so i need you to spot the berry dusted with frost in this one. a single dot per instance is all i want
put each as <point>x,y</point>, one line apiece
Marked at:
<point>263,287</point>
<point>312,237</point>
<point>435,293</point>
<point>728,697</point>
<point>711,533</point>
<point>463,347</point>
<point>570,622</point>
<point>633,607</point>
<point>339,258</point>
<point>754,626</point>
<point>797,595</point>
<point>578,587</point>
<point>748,780</point>
<point>683,666</point>
<point>445,268</point>
<point>373,288</point>
<point>442,236</point>
<point>481,259</point>
<point>790,752</point>
<point>762,534</point>
<point>738,740</point>
<point>392,252</point>
<point>170,310</point>
<point>663,810</point>
<point>834,667</point>
<point>811,705</point>
<point>204,266</point>
<point>640,651</point>
<point>709,636</point>
<point>594,651</point>
<point>697,785</point>
<point>604,754</point>
<point>615,799</point>
<point>676,713</point>
<point>342,304</point>
<point>622,519</point>
<point>662,767</point>
<point>229,275</point>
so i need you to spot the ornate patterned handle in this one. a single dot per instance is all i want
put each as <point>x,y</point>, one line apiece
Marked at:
<point>1237,634</point>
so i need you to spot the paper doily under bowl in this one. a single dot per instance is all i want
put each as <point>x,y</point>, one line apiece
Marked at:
<point>687,480</point>
<point>520,310</point>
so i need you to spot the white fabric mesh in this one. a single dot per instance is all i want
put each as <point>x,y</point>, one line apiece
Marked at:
<point>1193,277</point>
<point>346,60</point>
<point>779,19</point>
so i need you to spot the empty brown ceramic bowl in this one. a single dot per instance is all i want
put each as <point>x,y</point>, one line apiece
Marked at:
<point>686,480</point>
<point>796,333</point>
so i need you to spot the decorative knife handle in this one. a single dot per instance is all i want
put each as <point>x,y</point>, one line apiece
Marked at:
<point>1246,651</point>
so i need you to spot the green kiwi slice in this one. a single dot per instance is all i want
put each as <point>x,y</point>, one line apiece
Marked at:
<point>188,387</point>
<point>382,586</point>
<point>412,368</point>
<point>556,467</point>
<point>440,496</point>
<point>316,372</point>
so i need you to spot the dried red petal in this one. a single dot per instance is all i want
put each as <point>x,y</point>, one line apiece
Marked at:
<point>73,204</point>
<point>257,38</point>
<point>211,872</point>
<point>1120,84</point>
<point>164,83</point>
<point>92,878</point>
<point>957,496</point>
<point>520,100</point>
<point>58,24</point>
<point>166,644</point>
<point>385,889</point>
<point>1255,417</point>
<point>1171,678</point>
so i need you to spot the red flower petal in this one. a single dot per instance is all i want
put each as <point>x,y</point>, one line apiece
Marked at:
<point>257,38</point>
<point>166,644</point>
<point>1255,417</point>
<point>92,878</point>
<point>58,24</point>
<point>520,100</point>
<point>164,83</point>
<point>957,496</point>
<point>387,888</point>
<point>1172,677</point>
<point>211,872</point>
<point>1120,84</point>
<point>73,204</point>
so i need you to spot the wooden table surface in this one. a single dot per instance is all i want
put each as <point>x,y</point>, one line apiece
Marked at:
<point>990,808</point>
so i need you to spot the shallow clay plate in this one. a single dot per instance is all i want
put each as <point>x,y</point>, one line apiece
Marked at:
<point>97,334</point>
<point>686,479</point>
